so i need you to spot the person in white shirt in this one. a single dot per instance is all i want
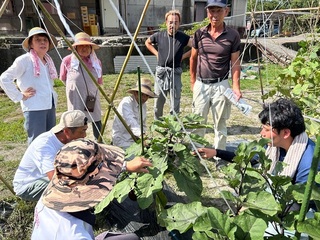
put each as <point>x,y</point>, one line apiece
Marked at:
<point>36,167</point>
<point>85,173</point>
<point>34,73</point>
<point>129,110</point>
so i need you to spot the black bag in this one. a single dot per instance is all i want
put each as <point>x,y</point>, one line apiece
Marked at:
<point>90,102</point>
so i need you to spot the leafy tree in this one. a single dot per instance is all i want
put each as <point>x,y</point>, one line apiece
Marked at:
<point>269,5</point>
<point>300,82</point>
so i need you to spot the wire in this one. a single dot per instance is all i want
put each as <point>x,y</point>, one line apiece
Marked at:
<point>62,19</point>
<point>71,34</point>
<point>19,15</point>
<point>65,17</point>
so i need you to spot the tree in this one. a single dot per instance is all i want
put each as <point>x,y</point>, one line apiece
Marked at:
<point>269,5</point>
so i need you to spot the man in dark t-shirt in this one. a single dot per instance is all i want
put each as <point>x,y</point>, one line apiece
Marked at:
<point>169,53</point>
<point>215,52</point>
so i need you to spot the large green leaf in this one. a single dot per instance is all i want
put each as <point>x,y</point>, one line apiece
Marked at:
<point>251,227</point>
<point>120,191</point>
<point>174,127</point>
<point>189,182</point>
<point>178,147</point>
<point>311,227</point>
<point>198,139</point>
<point>205,235</point>
<point>262,201</point>
<point>147,184</point>
<point>230,196</point>
<point>221,222</point>
<point>199,236</point>
<point>192,118</point>
<point>202,223</point>
<point>159,163</point>
<point>298,192</point>
<point>182,216</point>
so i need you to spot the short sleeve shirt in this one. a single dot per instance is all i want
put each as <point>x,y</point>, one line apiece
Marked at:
<point>36,161</point>
<point>214,55</point>
<point>167,45</point>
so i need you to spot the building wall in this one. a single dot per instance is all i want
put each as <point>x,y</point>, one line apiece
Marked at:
<point>239,8</point>
<point>192,10</point>
<point>131,11</point>
<point>109,20</point>
<point>9,21</point>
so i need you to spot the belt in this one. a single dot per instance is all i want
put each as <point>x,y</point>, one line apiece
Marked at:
<point>210,80</point>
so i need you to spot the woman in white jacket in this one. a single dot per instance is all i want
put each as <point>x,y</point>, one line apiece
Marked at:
<point>34,73</point>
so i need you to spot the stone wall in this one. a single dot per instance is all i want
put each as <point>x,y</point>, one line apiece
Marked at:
<point>106,53</point>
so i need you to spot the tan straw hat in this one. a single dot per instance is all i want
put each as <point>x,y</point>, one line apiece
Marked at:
<point>85,173</point>
<point>37,30</point>
<point>145,88</point>
<point>73,118</point>
<point>83,38</point>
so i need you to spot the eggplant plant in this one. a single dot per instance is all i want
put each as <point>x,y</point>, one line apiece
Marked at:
<point>258,199</point>
<point>169,151</point>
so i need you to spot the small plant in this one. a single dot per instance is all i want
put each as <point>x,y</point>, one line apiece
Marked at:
<point>259,197</point>
<point>169,153</point>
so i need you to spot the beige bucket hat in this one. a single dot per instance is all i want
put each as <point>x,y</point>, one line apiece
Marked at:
<point>35,31</point>
<point>146,85</point>
<point>83,38</point>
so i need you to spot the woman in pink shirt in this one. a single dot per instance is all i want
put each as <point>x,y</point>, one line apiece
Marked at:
<point>82,93</point>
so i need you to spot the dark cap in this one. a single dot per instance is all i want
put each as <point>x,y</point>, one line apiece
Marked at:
<point>216,3</point>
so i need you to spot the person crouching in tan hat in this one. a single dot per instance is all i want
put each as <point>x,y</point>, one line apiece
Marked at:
<point>34,73</point>
<point>36,167</point>
<point>82,93</point>
<point>129,110</point>
<point>84,174</point>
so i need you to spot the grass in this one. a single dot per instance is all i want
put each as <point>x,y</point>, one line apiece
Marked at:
<point>13,137</point>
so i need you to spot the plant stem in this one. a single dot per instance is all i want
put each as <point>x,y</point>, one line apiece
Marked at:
<point>310,182</point>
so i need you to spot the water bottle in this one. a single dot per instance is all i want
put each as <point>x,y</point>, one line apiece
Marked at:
<point>242,105</point>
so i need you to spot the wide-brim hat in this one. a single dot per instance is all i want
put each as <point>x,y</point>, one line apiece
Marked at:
<point>72,118</point>
<point>85,173</point>
<point>38,30</point>
<point>217,3</point>
<point>83,38</point>
<point>146,85</point>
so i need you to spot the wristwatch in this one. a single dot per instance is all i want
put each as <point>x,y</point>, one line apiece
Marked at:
<point>124,166</point>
